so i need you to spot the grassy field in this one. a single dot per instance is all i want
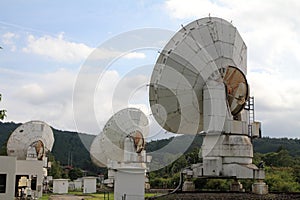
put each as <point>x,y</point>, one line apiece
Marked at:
<point>94,196</point>
<point>44,197</point>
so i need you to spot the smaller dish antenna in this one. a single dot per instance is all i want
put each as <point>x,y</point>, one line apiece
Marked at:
<point>31,140</point>
<point>120,148</point>
<point>130,124</point>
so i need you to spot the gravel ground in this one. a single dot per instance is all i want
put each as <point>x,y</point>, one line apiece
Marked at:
<point>229,196</point>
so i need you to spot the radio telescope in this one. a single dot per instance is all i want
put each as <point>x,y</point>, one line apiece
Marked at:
<point>120,148</point>
<point>199,85</point>
<point>109,144</point>
<point>31,140</point>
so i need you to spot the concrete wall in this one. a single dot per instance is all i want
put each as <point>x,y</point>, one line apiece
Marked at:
<point>8,167</point>
<point>130,182</point>
<point>32,168</point>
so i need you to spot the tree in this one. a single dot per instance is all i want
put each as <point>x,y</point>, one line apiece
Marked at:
<point>2,112</point>
<point>55,170</point>
<point>3,149</point>
<point>281,179</point>
<point>75,173</point>
<point>279,159</point>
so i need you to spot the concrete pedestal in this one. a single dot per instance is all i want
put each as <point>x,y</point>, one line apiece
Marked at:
<point>260,188</point>
<point>236,186</point>
<point>188,186</point>
<point>129,183</point>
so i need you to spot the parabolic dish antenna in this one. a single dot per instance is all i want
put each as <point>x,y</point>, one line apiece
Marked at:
<point>205,49</point>
<point>34,136</point>
<point>109,144</point>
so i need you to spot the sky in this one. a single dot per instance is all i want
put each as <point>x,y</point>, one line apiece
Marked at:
<point>48,43</point>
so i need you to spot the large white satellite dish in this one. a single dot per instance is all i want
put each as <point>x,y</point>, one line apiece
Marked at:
<point>31,139</point>
<point>109,144</point>
<point>199,85</point>
<point>208,48</point>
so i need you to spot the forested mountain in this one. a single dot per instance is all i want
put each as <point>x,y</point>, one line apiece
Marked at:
<point>68,146</point>
<point>281,156</point>
<point>261,145</point>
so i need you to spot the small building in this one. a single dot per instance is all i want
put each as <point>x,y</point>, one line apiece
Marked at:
<point>129,182</point>
<point>89,184</point>
<point>33,171</point>
<point>75,185</point>
<point>7,177</point>
<point>60,186</point>
<point>19,178</point>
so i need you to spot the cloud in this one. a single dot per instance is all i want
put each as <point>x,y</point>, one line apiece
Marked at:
<point>9,39</point>
<point>193,8</point>
<point>31,92</point>
<point>276,103</point>
<point>102,53</point>
<point>274,93</point>
<point>48,97</point>
<point>137,55</point>
<point>59,49</point>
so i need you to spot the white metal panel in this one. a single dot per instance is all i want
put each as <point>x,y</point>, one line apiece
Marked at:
<point>184,51</point>
<point>208,70</point>
<point>243,62</point>
<point>228,50</point>
<point>198,61</point>
<point>223,62</point>
<point>226,32</point>
<point>176,63</point>
<point>190,41</point>
<point>212,51</point>
<point>196,35</point>
<point>205,36</point>
<point>203,54</point>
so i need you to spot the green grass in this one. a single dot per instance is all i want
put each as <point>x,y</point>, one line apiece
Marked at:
<point>151,194</point>
<point>79,193</point>
<point>93,196</point>
<point>101,196</point>
<point>111,196</point>
<point>45,197</point>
